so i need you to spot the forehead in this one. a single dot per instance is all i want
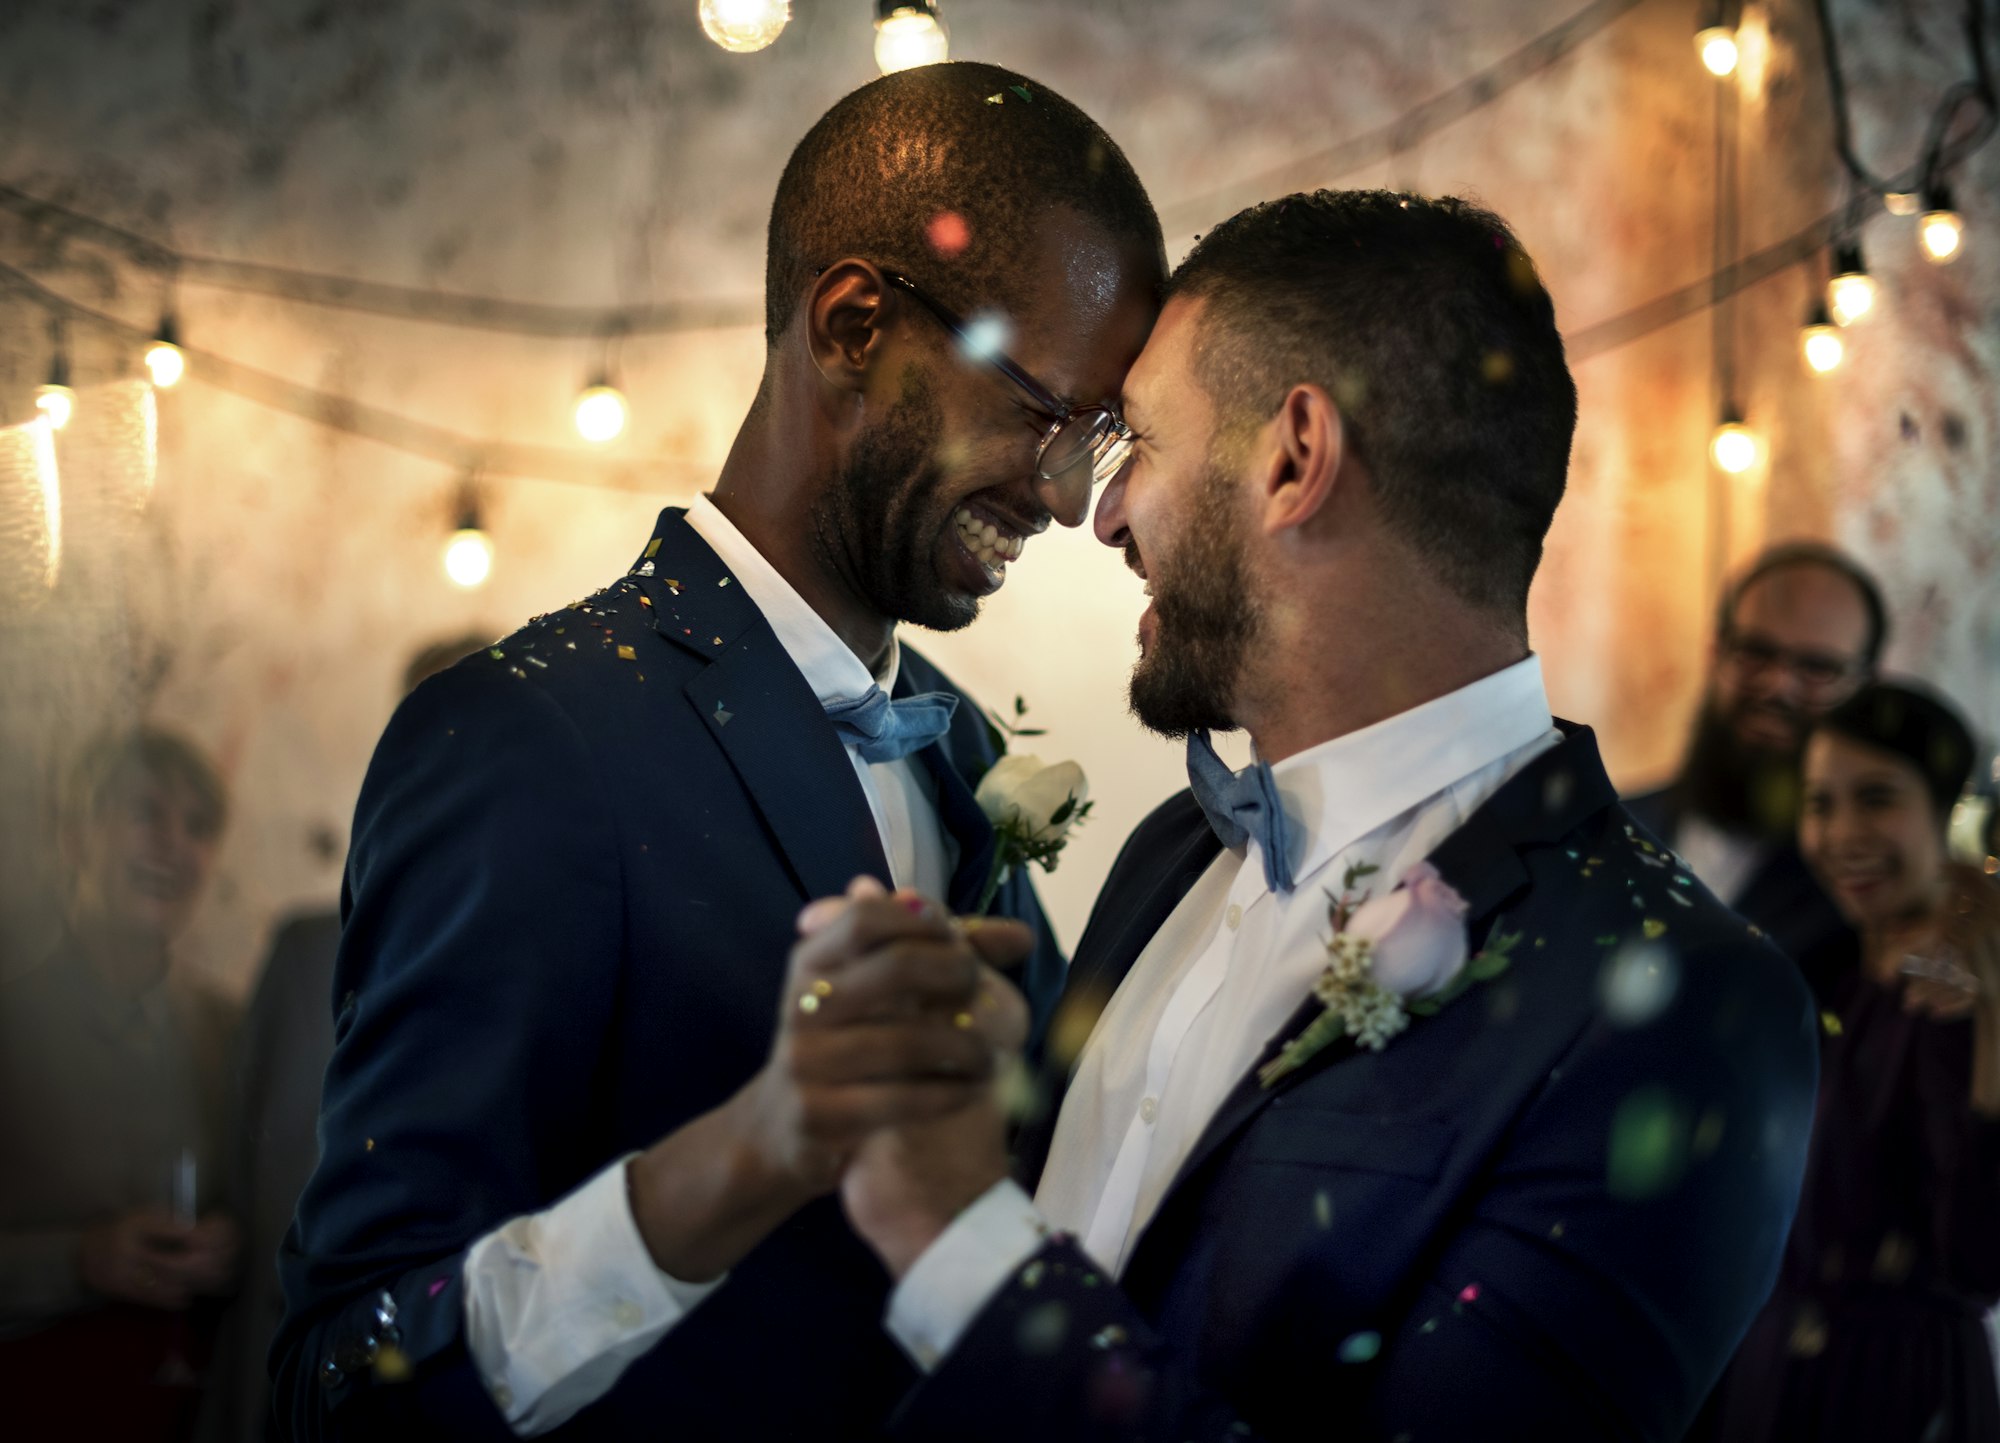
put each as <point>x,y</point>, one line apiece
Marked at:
<point>1832,758</point>
<point>1805,605</point>
<point>1094,300</point>
<point>1163,376</point>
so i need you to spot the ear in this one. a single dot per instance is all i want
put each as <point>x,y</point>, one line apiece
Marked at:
<point>1305,445</point>
<point>846,315</point>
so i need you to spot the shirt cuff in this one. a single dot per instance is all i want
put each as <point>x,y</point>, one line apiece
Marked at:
<point>956,1276</point>
<point>559,1303</point>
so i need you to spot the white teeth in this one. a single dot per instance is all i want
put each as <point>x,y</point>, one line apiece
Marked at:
<point>988,545</point>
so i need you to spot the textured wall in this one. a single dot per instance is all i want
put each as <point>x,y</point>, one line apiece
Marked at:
<point>260,579</point>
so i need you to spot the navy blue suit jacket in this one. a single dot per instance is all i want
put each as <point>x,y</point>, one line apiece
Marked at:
<point>1526,1218</point>
<point>577,861</point>
<point>1782,897</point>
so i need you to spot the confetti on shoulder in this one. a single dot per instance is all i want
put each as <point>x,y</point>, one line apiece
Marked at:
<point>626,653</point>
<point>998,97</point>
<point>723,582</point>
<point>1023,92</point>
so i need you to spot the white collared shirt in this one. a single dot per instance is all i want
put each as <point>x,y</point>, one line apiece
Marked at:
<point>1223,974</point>
<point>559,1303</point>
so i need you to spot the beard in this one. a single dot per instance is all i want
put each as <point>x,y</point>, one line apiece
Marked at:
<point>1751,791</point>
<point>881,522</point>
<point>1206,619</point>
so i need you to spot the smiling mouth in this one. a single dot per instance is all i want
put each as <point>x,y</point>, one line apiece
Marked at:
<point>992,543</point>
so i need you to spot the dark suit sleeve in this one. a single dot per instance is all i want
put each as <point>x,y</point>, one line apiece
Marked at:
<point>1962,1148</point>
<point>1603,1269</point>
<point>476,972</point>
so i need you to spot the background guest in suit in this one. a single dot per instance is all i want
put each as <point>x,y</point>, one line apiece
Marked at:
<point>1795,635</point>
<point>1875,1330</point>
<point>1547,1209</point>
<point>279,1058</point>
<point>568,1177</point>
<point>110,1114</point>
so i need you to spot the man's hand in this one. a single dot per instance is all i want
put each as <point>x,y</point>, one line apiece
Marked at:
<point>888,1017</point>
<point>148,1258</point>
<point>906,1183</point>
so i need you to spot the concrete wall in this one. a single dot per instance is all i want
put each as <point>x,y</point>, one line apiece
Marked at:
<point>260,578</point>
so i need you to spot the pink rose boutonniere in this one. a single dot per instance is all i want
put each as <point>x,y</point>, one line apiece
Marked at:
<point>1391,957</point>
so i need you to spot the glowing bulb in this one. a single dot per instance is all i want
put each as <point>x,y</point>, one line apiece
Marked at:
<point>1849,297</point>
<point>57,403</point>
<point>1734,448</point>
<point>468,557</point>
<point>909,36</point>
<point>1822,346</point>
<point>165,361</point>
<point>741,26</point>
<point>1717,45</point>
<point>1941,232</point>
<point>600,413</point>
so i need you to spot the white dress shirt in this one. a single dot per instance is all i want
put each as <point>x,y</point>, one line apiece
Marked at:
<point>559,1303</point>
<point>1223,974</point>
<point>1724,861</point>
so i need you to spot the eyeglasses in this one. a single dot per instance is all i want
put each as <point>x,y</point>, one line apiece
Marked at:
<point>1096,433</point>
<point>1818,671</point>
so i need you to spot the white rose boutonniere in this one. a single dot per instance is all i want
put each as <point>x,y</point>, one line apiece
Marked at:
<point>1032,805</point>
<point>1390,958</point>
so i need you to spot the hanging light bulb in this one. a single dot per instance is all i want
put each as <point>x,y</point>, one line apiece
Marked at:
<point>1851,292</point>
<point>1718,49</point>
<point>54,399</point>
<point>1939,228</point>
<point>1820,341</point>
<point>600,411</point>
<point>741,26</point>
<point>909,33</point>
<point>1733,448</point>
<point>163,357</point>
<point>468,555</point>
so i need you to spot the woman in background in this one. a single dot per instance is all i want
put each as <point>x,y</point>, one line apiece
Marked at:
<point>1876,1330</point>
<point>110,1098</point>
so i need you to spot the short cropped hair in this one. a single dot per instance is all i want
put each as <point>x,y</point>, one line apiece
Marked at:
<point>942,172</point>
<point>1426,322</point>
<point>1811,553</point>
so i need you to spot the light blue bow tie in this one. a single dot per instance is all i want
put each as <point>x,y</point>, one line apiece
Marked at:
<point>886,731</point>
<point>1241,805</point>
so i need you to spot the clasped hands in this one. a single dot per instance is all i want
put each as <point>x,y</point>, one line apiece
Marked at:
<point>893,1033</point>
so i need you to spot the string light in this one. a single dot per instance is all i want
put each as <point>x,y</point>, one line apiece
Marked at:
<point>54,399</point>
<point>1734,446</point>
<point>909,33</point>
<point>1940,229</point>
<point>1850,293</point>
<point>1820,342</point>
<point>1718,49</point>
<point>600,412</point>
<point>164,359</point>
<point>741,26</point>
<point>468,555</point>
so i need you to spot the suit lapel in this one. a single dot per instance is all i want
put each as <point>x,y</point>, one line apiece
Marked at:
<point>761,712</point>
<point>1481,860</point>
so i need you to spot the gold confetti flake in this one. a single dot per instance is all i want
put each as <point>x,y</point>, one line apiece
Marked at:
<point>652,548</point>
<point>625,653</point>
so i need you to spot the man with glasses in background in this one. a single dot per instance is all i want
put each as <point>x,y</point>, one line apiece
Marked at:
<point>568,1179</point>
<point>1796,635</point>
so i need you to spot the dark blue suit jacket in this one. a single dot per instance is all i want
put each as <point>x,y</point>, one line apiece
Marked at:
<point>1782,897</point>
<point>577,862</point>
<point>1525,1219</point>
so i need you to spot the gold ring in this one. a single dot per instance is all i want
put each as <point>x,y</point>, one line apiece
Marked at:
<point>809,1001</point>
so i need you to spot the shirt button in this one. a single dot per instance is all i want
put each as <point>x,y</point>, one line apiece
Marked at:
<point>626,1313</point>
<point>1234,916</point>
<point>1147,1107</point>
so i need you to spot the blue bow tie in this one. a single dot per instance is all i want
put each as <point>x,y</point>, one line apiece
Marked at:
<point>1241,805</point>
<point>886,731</point>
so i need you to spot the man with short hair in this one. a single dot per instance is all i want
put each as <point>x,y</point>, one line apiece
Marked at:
<point>1795,636</point>
<point>1422,1096</point>
<point>568,1178</point>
